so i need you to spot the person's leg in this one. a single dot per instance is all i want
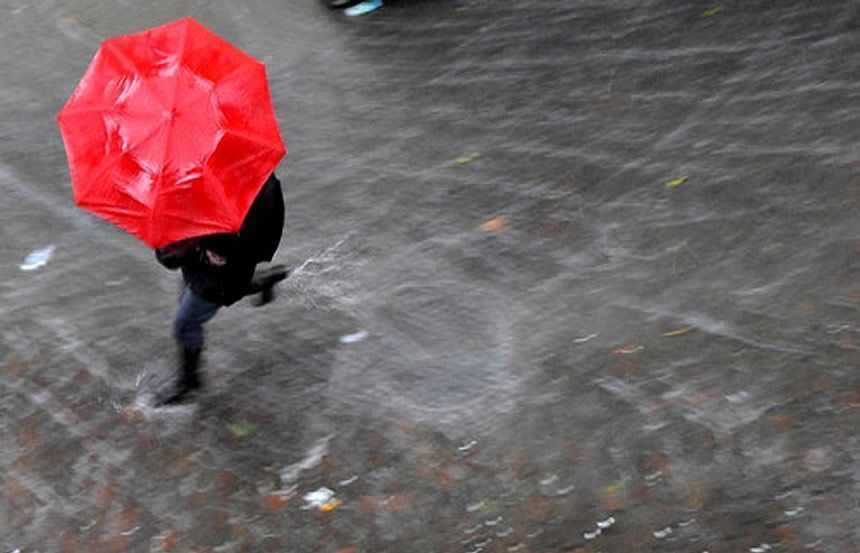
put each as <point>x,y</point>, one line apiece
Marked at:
<point>263,283</point>
<point>192,314</point>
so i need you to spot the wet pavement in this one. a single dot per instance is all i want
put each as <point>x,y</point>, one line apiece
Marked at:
<point>571,277</point>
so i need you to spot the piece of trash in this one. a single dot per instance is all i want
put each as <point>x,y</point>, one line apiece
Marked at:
<point>549,481</point>
<point>585,338</point>
<point>739,397</point>
<point>664,533</point>
<point>565,491</point>
<point>318,498</point>
<point>479,506</point>
<point>713,11</point>
<point>348,481</point>
<point>654,476</point>
<point>468,158</point>
<point>592,535</point>
<point>676,183</point>
<point>37,258</point>
<point>331,505</point>
<point>760,549</point>
<point>686,523</point>
<point>628,349</point>
<point>241,429</point>
<point>355,337</point>
<point>678,331</point>
<point>495,225</point>
<point>495,522</point>
<point>794,512</point>
<point>363,8</point>
<point>604,524</point>
<point>468,446</point>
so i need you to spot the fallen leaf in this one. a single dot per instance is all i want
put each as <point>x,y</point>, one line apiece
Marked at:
<point>713,11</point>
<point>331,505</point>
<point>468,158</point>
<point>678,331</point>
<point>241,429</point>
<point>676,182</point>
<point>629,348</point>
<point>276,500</point>
<point>495,225</point>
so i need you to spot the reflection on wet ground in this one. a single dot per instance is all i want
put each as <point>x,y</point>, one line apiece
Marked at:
<point>573,276</point>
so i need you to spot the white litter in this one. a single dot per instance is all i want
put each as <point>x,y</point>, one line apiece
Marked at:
<point>37,258</point>
<point>317,498</point>
<point>353,338</point>
<point>585,338</point>
<point>664,533</point>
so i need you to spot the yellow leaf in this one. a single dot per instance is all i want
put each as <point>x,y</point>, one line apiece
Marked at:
<point>468,158</point>
<point>241,429</point>
<point>676,183</point>
<point>678,331</point>
<point>713,11</point>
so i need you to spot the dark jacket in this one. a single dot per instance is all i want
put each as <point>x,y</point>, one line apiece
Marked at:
<point>219,267</point>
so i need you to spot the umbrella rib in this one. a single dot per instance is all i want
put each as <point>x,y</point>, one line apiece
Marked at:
<point>168,140</point>
<point>255,138</point>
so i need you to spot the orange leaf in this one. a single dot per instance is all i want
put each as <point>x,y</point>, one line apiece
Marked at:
<point>678,331</point>
<point>331,505</point>
<point>495,225</point>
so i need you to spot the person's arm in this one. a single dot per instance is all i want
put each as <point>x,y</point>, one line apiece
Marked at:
<point>174,255</point>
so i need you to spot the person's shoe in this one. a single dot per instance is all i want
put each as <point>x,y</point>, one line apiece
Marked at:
<point>186,384</point>
<point>263,283</point>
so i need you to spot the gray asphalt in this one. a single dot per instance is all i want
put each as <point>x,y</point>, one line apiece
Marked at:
<point>513,326</point>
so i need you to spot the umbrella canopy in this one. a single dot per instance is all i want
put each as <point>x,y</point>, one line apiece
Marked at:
<point>171,133</point>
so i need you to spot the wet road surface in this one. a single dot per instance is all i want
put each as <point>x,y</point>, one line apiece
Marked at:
<point>570,277</point>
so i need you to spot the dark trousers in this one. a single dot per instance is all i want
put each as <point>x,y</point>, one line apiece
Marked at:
<point>192,314</point>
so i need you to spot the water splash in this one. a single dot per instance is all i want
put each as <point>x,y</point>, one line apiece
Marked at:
<point>319,280</point>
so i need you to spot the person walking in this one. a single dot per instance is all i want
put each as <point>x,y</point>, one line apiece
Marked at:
<point>217,271</point>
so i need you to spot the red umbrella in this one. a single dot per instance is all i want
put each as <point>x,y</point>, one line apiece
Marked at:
<point>171,133</point>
